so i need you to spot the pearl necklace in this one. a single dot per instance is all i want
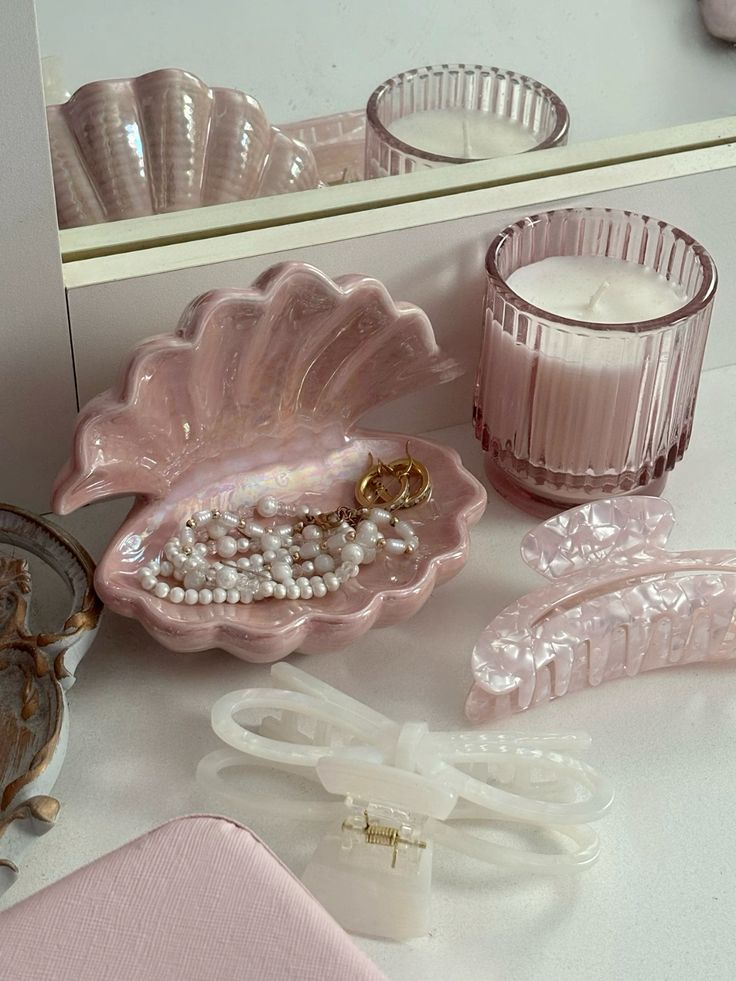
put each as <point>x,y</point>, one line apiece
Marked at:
<point>224,557</point>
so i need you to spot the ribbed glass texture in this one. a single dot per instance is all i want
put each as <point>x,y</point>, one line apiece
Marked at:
<point>568,412</point>
<point>493,90</point>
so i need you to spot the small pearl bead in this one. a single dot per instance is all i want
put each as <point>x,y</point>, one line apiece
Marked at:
<point>256,562</point>
<point>312,533</point>
<point>176,595</point>
<point>166,568</point>
<point>305,592</point>
<point>229,518</point>
<point>309,550</point>
<point>269,555</point>
<point>162,590</point>
<point>279,591</point>
<point>219,595</point>
<point>187,536</point>
<point>253,529</point>
<point>243,564</point>
<point>293,591</point>
<point>226,577</point>
<point>265,590</point>
<point>352,553</point>
<point>270,541</point>
<point>191,596</point>
<point>318,587</point>
<point>379,516</point>
<point>216,529</point>
<point>367,533</point>
<point>148,582</point>
<point>267,507</point>
<point>205,597</point>
<point>302,581</point>
<point>332,583</point>
<point>369,556</point>
<point>336,542</point>
<point>302,510</point>
<point>246,596</point>
<point>201,517</point>
<point>307,568</point>
<point>233,596</point>
<point>227,547</point>
<point>324,563</point>
<point>280,571</point>
<point>404,530</point>
<point>243,544</point>
<point>394,546</point>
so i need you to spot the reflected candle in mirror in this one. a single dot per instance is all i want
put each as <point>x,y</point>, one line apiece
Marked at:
<point>452,114</point>
<point>591,358</point>
<point>463,133</point>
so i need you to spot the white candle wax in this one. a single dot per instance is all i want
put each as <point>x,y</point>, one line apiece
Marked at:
<point>596,289</point>
<point>467,133</point>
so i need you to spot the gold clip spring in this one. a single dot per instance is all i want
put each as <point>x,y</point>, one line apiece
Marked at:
<point>382,834</point>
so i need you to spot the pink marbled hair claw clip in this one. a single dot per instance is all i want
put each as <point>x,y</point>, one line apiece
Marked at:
<point>618,604</point>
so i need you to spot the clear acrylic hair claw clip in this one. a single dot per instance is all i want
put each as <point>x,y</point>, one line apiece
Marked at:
<point>398,791</point>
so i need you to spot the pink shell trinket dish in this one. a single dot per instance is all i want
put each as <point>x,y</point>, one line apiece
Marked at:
<point>165,141</point>
<point>258,393</point>
<point>618,604</point>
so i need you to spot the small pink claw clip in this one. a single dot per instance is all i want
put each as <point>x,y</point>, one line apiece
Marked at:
<point>618,604</point>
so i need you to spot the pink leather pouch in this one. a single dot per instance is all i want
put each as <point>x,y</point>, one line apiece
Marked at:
<point>200,898</point>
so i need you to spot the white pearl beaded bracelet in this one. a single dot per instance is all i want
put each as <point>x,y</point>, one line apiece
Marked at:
<point>223,557</point>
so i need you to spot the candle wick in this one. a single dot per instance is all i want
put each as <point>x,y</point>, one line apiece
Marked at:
<point>593,301</point>
<point>466,139</point>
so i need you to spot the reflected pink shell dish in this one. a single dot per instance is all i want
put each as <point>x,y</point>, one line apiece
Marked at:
<point>165,142</point>
<point>259,392</point>
<point>337,142</point>
<point>619,604</point>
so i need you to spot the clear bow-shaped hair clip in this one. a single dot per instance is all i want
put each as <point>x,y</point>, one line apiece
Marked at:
<point>400,789</point>
<point>618,604</point>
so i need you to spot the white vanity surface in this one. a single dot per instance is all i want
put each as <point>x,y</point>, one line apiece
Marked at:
<point>660,903</point>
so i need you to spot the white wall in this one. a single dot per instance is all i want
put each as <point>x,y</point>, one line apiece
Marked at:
<point>37,401</point>
<point>621,67</point>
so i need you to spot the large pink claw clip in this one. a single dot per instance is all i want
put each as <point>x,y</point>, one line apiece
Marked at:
<point>619,604</point>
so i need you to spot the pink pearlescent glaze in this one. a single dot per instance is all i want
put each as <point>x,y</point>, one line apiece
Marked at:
<point>259,392</point>
<point>719,17</point>
<point>165,141</point>
<point>619,604</point>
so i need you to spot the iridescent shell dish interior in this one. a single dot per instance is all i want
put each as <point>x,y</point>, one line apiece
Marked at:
<point>165,141</point>
<point>259,392</point>
<point>619,604</point>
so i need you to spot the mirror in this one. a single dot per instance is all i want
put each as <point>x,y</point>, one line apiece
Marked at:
<point>168,143</point>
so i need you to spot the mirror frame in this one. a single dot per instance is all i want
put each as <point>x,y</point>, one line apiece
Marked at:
<point>196,224</point>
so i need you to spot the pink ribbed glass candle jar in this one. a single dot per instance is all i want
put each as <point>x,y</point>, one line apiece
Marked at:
<point>453,114</point>
<point>569,409</point>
